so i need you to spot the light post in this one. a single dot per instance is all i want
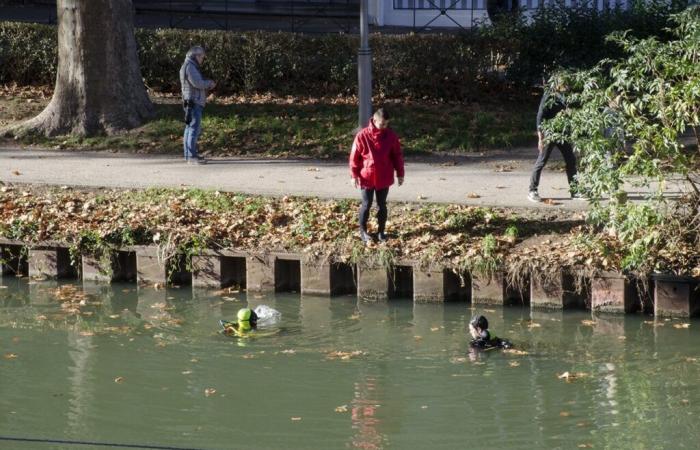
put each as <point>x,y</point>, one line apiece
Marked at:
<point>364,67</point>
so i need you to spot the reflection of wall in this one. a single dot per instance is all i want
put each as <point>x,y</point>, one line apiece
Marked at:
<point>315,313</point>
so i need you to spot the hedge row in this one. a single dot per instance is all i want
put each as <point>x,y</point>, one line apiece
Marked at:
<point>512,55</point>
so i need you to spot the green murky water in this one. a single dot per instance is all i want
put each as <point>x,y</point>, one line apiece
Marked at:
<point>147,367</point>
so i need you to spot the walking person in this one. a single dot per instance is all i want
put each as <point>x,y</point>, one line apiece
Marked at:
<point>551,104</point>
<point>194,97</point>
<point>375,156</point>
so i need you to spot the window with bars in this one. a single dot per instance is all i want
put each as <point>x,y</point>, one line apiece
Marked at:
<point>440,4</point>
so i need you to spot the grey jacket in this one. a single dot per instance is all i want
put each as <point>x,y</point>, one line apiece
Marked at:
<point>194,86</point>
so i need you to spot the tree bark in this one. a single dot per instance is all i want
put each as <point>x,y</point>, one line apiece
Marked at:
<point>99,88</point>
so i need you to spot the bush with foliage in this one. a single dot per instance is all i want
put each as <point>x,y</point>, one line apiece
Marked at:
<point>634,121</point>
<point>509,57</point>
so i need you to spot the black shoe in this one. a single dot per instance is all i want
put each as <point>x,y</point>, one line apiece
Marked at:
<point>382,237</point>
<point>366,238</point>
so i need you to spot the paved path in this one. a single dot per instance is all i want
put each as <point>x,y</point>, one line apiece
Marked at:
<point>497,179</point>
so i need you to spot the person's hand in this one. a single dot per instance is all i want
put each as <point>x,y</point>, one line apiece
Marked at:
<point>540,141</point>
<point>355,182</point>
<point>400,181</point>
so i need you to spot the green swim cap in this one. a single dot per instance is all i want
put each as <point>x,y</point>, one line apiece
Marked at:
<point>244,314</point>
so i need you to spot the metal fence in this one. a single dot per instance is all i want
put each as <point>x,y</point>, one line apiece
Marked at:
<point>282,15</point>
<point>461,14</point>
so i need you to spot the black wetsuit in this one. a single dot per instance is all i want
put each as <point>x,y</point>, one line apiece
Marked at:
<point>485,341</point>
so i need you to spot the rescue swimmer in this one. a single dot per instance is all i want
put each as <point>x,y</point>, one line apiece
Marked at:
<point>246,321</point>
<point>482,338</point>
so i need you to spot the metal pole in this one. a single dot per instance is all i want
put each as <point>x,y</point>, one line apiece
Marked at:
<point>364,67</point>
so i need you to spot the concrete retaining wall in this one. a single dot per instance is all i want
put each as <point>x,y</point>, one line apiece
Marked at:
<point>287,272</point>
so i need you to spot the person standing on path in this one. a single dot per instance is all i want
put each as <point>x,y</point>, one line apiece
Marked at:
<point>552,103</point>
<point>375,156</point>
<point>194,97</point>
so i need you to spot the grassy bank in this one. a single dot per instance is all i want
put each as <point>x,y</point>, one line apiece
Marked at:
<point>184,222</point>
<point>294,127</point>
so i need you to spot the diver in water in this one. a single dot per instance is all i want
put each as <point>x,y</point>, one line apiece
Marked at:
<point>482,337</point>
<point>247,321</point>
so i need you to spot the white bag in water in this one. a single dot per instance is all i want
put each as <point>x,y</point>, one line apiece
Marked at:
<point>267,315</point>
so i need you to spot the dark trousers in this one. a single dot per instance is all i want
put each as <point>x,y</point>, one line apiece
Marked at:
<point>569,158</point>
<point>367,196</point>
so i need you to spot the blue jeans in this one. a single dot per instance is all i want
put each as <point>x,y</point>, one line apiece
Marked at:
<point>192,132</point>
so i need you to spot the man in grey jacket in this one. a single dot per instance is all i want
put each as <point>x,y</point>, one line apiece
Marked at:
<point>194,97</point>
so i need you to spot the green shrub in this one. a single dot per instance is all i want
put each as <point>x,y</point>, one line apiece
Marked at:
<point>510,57</point>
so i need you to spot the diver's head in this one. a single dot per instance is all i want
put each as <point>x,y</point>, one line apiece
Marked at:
<point>247,319</point>
<point>479,322</point>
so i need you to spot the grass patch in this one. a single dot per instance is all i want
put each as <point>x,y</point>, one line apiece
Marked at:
<point>294,127</point>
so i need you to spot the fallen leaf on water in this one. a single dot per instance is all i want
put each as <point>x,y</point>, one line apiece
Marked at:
<point>186,372</point>
<point>208,392</point>
<point>248,356</point>
<point>490,311</point>
<point>344,355</point>
<point>681,325</point>
<point>434,328</point>
<point>622,338</point>
<point>418,338</point>
<point>119,380</point>
<point>10,355</point>
<point>534,325</point>
<point>568,376</point>
<point>585,445</point>
<point>296,419</point>
<point>424,407</point>
<point>341,408</point>
<point>458,360</point>
<point>564,414</point>
<point>289,352</point>
<point>588,323</point>
<point>473,195</point>
<point>514,351</point>
<point>354,317</point>
<point>86,333</point>
<point>114,316</point>
<point>691,359</point>
<point>685,401</point>
<point>513,363</point>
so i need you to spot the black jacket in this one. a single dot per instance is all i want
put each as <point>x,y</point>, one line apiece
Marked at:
<point>550,106</point>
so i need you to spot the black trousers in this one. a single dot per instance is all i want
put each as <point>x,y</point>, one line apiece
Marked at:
<point>382,213</point>
<point>569,158</point>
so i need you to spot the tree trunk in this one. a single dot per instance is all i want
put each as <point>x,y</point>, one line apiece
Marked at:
<point>99,88</point>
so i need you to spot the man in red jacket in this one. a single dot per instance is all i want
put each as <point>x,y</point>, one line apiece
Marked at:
<point>376,154</point>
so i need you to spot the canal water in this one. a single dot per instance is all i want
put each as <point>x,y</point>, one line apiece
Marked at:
<point>148,368</point>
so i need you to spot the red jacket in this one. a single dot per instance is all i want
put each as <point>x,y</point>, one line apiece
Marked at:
<point>375,155</point>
